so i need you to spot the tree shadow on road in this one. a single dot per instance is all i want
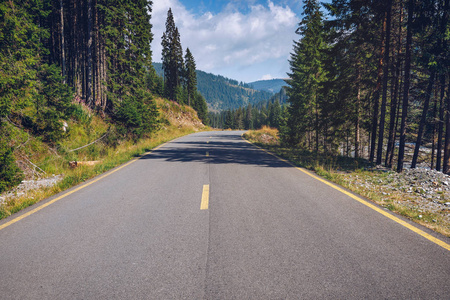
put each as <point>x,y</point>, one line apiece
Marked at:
<point>224,149</point>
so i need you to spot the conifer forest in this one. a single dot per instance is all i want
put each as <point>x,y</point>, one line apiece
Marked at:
<point>370,78</point>
<point>58,56</point>
<point>367,79</point>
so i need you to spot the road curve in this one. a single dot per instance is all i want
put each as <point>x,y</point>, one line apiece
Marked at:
<point>265,231</point>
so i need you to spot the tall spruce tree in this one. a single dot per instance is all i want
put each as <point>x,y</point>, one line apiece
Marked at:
<point>306,75</point>
<point>172,58</point>
<point>128,37</point>
<point>190,76</point>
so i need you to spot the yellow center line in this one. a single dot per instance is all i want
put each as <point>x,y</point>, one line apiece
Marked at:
<point>207,153</point>
<point>74,190</point>
<point>205,197</point>
<point>366,203</point>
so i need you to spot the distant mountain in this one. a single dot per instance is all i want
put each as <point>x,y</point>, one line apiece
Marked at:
<point>272,85</point>
<point>222,93</point>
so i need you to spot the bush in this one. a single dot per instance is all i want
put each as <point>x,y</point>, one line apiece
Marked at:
<point>10,174</point>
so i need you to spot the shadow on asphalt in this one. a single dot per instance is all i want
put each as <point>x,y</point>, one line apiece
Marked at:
<point>232,151</point>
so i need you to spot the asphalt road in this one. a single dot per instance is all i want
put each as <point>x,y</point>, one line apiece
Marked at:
<point>270,231</point>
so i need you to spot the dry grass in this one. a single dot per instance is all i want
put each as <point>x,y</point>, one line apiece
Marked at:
<point>263,136</point>
<point>176,121</point>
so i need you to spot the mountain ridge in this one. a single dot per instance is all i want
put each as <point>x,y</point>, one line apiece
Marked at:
<point>223,93</point>
<point>269,85</point>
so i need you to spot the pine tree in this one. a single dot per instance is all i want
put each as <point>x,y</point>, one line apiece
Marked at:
<point>249,117</point>
<point>172,58</point>
<point>190,75</point>
<point>306,76</point>
<point>128,37</point>
<point>201,107</point>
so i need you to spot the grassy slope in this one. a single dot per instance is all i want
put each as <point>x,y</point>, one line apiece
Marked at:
<point>370,183</point>
<point>175,120</point>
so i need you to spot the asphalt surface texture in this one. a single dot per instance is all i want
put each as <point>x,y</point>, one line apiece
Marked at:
<point>270,231</point>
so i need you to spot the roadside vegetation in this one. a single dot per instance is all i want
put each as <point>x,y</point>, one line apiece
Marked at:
<point>38,160</point>
<point>417,194</point>
<point>79,95</point>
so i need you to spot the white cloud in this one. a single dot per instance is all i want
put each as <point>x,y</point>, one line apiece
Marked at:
<point>231,40</point>
<point>267,77</point>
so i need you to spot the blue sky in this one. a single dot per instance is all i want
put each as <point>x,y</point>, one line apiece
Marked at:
<point>246,40</point>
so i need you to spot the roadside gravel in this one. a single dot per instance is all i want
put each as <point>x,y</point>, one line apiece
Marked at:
<point>30,185</point>
<point>422,190</point>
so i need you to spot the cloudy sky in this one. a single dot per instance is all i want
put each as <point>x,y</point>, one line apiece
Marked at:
<point>246,40</point>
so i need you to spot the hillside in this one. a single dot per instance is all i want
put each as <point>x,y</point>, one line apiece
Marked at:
<point>272,85</point>
<point>91,145</point>
<point>222,93</point>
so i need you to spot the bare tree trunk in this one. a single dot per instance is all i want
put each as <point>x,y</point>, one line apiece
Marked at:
<point>395,96</point>
<point>88,79</point>
<point>316,122</point>
<point>358,103</point>
<point>446,166</point>
<point>63,55</point>
<point>376,97</point>
<point>423,119</point>
<point>433,140</point>
<point>397,121</point>
<point>401,151</point>
<point>385,82</point>
<point>441,125</point>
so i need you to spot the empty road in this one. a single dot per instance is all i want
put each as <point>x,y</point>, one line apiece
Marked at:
<point>210,216</point>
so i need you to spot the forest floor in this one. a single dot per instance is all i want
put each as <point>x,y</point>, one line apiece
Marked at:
<point>419,194</point>
<point>47,170</point>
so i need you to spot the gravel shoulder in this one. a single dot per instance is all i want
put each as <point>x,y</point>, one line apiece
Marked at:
<point>420,194</point>
<point>28,186</point>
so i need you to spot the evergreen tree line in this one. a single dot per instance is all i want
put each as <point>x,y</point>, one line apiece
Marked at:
<point>57,56</point>
<point>223,93</point>
<point>95,51</point>
<point>270,113</point>
<point>180,77</point>
<point>372,80</point>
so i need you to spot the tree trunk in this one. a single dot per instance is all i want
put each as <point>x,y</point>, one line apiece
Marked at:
<point>395,96</point>
<point>385,82</point>
<point>376,97</point>
<point>88,79</point>
<point>423,119</point>
<point>441,125</point>
<point>433,140</point>
<point>63,55</point>
<point>316,121</point>
<point>401,151</point>
<point>358,103</point>
<point>444,51</point>
<point>446,166</point>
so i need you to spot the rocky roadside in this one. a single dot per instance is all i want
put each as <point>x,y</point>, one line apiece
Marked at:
<point>420,194</point>
<point>29,185</point>
<point>422,190</point>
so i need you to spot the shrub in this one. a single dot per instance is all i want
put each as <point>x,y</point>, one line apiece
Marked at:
<point>10,174</point>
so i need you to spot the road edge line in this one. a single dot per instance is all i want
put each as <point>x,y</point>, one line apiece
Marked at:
<point>361,200</point>
<point>42,206</point>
